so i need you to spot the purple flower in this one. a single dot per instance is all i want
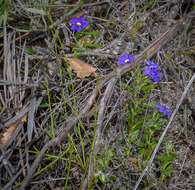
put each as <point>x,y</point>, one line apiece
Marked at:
<point>152,71</point>
<point>154,74</point>
<point>164,110</point>
<point>125,59</point>
<point>152,64</point>
<point>78,23</point>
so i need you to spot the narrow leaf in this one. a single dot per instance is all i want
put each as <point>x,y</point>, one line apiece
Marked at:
<point>35,11</point>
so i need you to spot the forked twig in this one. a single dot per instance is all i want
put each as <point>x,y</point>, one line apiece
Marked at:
<point>149,52</point>
<point>165,131</point>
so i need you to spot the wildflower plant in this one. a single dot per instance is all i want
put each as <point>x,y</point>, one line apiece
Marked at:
<point>143,120</point>
<point>166,159</point>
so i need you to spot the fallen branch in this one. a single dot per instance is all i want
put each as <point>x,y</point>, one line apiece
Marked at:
<point>148,53</point>
<point>98,133</point>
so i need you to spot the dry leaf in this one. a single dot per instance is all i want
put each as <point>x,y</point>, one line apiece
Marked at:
<point>81,68</point>
<point>8,133</point>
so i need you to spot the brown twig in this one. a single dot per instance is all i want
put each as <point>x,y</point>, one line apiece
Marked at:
<point>148,53</point>
<point>98,133</point>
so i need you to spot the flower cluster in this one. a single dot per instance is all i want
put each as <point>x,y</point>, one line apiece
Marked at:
<point>152,71</point>
<point>78,23</point>
<point>164,110</point>
<point>125,59</point>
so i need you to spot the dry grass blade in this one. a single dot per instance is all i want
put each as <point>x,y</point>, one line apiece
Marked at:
<point>31,115</point>
<point>81,68</point>
<point>12,71</point>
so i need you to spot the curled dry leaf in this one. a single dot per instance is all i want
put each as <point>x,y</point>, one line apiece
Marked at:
<point>81,68</point>
<point>8,133</point>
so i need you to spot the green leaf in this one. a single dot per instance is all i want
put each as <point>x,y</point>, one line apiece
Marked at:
<point>35,11</point>
<point>147,88</point>
<point>166,157</point>
<point>101,161</point>
<point>45,105</point>
<point>90,45</point>
<point>132,115</point>
<point>133,137</point>
<point>186,29</point>
<point>149,105</point>
<point>137,125</point>
<point>168,169</point>
<point>112,177</point>
<point>102,177</point>
<point>170,147</point>
<point>108,154</point>
<point>96,32</point>
<point>29,51</point>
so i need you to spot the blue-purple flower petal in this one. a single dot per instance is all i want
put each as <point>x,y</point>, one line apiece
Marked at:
<point>125,59</point>
<point>78,23</point>
<point>152,64</point>
<point>152,71</point>
<point>164,110</point>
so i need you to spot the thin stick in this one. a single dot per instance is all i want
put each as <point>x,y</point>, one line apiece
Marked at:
<point>165,131</point>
